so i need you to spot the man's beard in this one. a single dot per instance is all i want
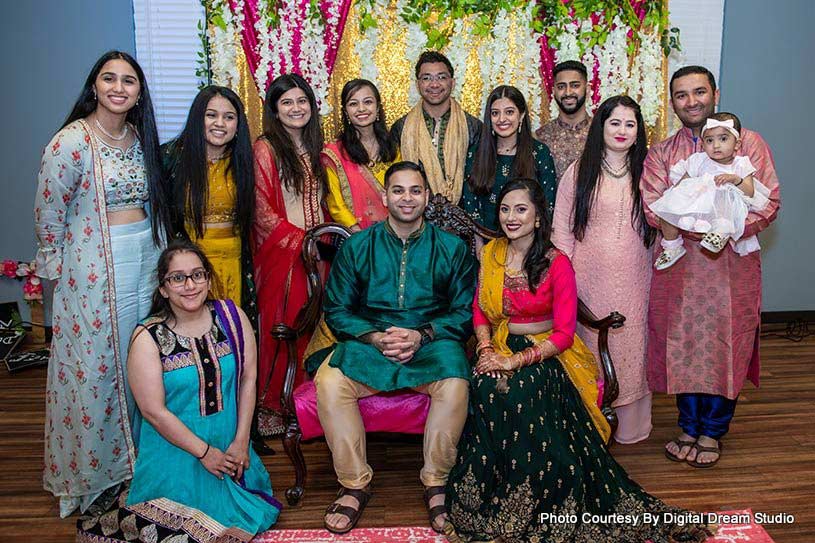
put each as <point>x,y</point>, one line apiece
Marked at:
<point>581,101</point>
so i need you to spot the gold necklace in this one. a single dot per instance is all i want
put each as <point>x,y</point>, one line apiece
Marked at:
<point>616,174</point>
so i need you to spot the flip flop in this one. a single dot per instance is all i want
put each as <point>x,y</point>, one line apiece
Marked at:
<point>433,512</point>
<point>703,449</point>
<point>353,515</point>
<point>679,443</point>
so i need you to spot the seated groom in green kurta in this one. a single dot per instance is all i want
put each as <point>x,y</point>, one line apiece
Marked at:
<point>398,300</point>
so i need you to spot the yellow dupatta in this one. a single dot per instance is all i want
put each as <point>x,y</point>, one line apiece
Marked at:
<point>417,146</point>
<point>577,361</point>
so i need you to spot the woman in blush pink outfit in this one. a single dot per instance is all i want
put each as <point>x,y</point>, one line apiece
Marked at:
<point>599,223</point>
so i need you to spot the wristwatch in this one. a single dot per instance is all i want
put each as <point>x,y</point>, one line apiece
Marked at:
<point>426,337</point>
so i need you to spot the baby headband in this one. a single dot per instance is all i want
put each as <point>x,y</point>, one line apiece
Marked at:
<point>727,125</point>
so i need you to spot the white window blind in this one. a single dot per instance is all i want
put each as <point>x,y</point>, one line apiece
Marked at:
<point>167,45</point>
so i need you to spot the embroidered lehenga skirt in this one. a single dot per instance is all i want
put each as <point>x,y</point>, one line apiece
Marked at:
<point>530,464</point>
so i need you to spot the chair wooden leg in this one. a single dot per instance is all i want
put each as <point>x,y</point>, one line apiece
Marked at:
<point>291,443</point>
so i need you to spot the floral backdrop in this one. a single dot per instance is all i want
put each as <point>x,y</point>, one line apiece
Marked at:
<point>247,43</point>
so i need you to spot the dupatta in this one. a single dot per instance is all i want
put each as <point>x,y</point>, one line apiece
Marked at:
<point>577,360</point>
<point>361,190</point>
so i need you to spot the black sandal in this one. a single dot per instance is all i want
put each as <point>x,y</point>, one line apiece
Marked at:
<point>437,510</point>
<point>353,515</point>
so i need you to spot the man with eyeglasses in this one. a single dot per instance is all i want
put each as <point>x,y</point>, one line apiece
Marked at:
<point>437,132</point>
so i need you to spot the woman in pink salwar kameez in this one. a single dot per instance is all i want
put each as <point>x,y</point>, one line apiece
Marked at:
<point>599,224</point>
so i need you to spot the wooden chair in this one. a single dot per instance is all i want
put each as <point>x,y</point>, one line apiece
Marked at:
<point>450,218</point>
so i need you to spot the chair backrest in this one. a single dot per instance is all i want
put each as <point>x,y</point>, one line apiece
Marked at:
<point>451,218</point>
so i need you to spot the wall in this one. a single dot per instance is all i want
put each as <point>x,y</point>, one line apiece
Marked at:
<point>48,49</point>
<point>765,80</point>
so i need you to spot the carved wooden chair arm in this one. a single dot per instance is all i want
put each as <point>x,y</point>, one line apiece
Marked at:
<point>611,387</point>
<point>308,316</point>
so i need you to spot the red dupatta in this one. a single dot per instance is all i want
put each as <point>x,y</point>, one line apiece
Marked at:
<point>279,272</point>
<point>360,188</point>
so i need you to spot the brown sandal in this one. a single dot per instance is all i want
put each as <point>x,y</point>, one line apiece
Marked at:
<point>353,515</point>
<point>702,449</point>
<point>437,510</point>
<point>681,443</point>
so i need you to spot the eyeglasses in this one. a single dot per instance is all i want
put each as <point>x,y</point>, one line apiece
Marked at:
<point>427,78</point>
<point>178,280</point>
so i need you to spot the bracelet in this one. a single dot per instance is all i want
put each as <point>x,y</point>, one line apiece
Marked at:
<point>205,453</point>
<point>739,183</point>
<point>484,345</point>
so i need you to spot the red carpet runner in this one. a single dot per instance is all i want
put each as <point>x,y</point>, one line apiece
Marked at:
<point>749,532</point>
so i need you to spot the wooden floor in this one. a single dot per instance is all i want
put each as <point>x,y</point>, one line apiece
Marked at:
<point>768,463</point>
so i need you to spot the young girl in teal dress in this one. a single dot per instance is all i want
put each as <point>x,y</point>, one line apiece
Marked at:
<point>193,372</point>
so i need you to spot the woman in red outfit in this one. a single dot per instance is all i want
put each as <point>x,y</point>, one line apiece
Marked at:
<point>290,184</point>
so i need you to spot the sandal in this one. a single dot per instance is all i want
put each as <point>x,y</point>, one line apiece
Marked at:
<point>703,449</point>
<point>668,258</point>
<point>437,510</point>
<point>679,443</point>
<point>353,515</point>
<point>714,242</point>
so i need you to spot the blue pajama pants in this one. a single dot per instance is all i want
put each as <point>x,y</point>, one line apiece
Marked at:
<point>705,414</point>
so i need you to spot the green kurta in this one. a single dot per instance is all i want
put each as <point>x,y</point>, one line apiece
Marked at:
<point>482,208</point>
<point>376,281</point>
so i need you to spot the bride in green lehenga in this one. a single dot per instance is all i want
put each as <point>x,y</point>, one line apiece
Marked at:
<point>532,461</point>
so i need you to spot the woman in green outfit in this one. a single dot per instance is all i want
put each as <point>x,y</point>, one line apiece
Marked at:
<point>506,150</point>
<point>532,462</point>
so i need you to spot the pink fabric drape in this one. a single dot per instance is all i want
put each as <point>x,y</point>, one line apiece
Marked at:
<point>331,37</point>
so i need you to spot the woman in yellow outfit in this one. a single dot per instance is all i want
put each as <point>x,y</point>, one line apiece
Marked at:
<point>357,161</point>
<point>211,179</point>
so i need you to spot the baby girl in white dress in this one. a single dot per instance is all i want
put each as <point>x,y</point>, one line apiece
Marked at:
<point>712,193</point>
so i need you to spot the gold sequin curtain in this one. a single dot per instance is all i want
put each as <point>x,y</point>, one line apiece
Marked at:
<point>396,78</point>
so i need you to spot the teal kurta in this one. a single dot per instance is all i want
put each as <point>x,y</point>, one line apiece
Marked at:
<point>482,207</point>
<point>377,281</point>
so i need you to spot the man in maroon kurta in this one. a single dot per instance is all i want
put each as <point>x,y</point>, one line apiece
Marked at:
<point>704,312</point>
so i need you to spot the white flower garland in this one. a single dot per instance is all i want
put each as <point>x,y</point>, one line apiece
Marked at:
<point>613,62</point>
<point>528,79</point>
<point>312,61</point>
<point>457,52</point>
<point>225,45</point>
<point>366,47</point>
<point>646,77</point>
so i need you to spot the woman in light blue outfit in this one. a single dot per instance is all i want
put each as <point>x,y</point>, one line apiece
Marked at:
<point>193,373</point>
<point>99,178</point>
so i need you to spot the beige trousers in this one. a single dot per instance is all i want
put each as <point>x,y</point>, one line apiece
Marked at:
<point>337,407</point>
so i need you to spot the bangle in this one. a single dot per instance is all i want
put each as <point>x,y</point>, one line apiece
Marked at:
<point>205,453</point>
<point>739,183</point>
<point>485,345</point>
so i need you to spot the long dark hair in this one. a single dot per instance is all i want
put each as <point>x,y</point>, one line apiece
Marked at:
<point>160,306</point>
<point>536,262</point>
<point>349,136</point>
<point>285,152</point>
<point>482,177</point>
<point>143,120</point>
<point>190,188</point>
<point>589,169</point>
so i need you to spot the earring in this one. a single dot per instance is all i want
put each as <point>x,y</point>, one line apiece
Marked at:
<point>377,117</point>
<point>94,94</point>
<point>493,131</point>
